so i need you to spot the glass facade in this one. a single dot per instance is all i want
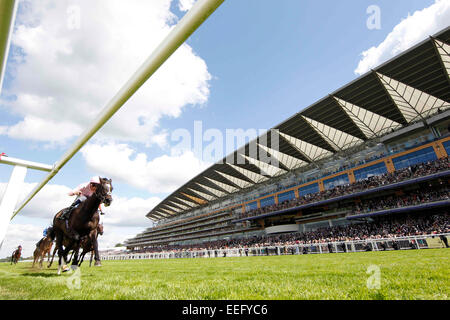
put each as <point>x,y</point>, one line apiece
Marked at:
<point>286,196</point>
<point>312,188</point>
<point>447,146</point>
<point>267,201</point>
<point>415,157</point>
<point>251,206</point>
<point>375,170</point>
<point>336,181</point>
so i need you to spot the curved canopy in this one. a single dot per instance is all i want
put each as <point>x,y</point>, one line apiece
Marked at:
<point>408,88</point>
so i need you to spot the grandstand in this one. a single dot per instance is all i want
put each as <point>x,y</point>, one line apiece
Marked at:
<point>374,150</point>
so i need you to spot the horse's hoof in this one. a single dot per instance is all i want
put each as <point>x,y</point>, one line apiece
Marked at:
<point>74,267</point>
<point>65,268</point>
<point>97,264</point>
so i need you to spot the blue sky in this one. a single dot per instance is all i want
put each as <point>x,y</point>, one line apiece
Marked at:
<point>252,64</point>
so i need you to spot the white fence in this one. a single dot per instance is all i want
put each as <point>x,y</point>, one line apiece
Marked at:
<point>401,243</point>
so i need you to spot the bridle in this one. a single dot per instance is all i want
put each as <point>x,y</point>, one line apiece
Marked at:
<point>104,190</point>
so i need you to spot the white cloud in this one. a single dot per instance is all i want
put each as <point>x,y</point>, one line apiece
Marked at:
<point>186,5</point>
<point>46,203</point>
<point>163,174</point>
<point>25,235</point>
<point>68,72</point>
<point>410,31</point>
<point>129,212</point>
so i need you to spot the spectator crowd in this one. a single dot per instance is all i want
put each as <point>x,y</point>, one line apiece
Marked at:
<point>395,226</point>
<point>411,172</point>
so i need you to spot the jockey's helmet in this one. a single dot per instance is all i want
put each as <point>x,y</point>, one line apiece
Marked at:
<point>95,179</point>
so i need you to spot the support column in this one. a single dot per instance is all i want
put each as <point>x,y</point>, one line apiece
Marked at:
<point>10,198</point>
<point>389,165</point>
<point>321,186</point>
<point>351,176</point>
<point>439,149</point>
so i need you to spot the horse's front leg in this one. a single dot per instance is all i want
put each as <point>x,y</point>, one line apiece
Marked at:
<point>48,252</point>
<point>97,255</point>
<point>70,259</point>
<point>82,257</point>
<point>76,248</point>
<point>62,254</point>
<point>53,256</point>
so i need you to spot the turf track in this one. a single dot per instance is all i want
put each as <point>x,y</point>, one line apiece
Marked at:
<point>414,274</point>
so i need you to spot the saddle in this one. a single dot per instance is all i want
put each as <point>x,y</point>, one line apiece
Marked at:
<point>65,214</point>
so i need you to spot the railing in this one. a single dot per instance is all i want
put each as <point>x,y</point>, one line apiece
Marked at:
<point>431,241</point>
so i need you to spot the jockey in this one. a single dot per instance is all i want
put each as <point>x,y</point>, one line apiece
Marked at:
<point>83,191</point>
<point>44,234</point>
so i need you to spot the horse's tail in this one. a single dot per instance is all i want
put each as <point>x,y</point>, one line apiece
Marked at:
<point>51,233</point>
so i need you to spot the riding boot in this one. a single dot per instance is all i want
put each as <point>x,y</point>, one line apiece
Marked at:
<point>66,213</point>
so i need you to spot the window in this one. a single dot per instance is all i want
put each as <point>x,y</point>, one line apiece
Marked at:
<point>416,157</point>
<point>267,201</point>
<point>251,206</point>
<point>286,196</point>
<point>375,170</point>
<point>336,181</point>
<point>312,188</point>
<point>447,146</point>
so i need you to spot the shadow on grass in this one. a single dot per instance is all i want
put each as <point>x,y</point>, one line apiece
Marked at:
<point>40,274</point>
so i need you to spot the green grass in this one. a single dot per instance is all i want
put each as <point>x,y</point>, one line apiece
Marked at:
<point>415,274</point>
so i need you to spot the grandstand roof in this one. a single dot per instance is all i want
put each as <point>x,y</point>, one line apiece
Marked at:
<point>406,89</point>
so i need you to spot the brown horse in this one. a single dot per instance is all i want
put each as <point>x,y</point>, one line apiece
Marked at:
<point>16,255</point>
<point>83,219</point>
<point>66,243</point>
<point>87,244</point>
<point>45,246</point>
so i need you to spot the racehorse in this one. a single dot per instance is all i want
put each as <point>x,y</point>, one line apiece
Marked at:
<point>45,246</point>
<point>16,255</point>
<point>83,219</point>
<point>87,244</point>
<point>66,243</point>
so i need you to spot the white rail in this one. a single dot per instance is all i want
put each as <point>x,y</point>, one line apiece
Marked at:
<point>8,9</point>
<point>25,163</point>
<point>403,243</point>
